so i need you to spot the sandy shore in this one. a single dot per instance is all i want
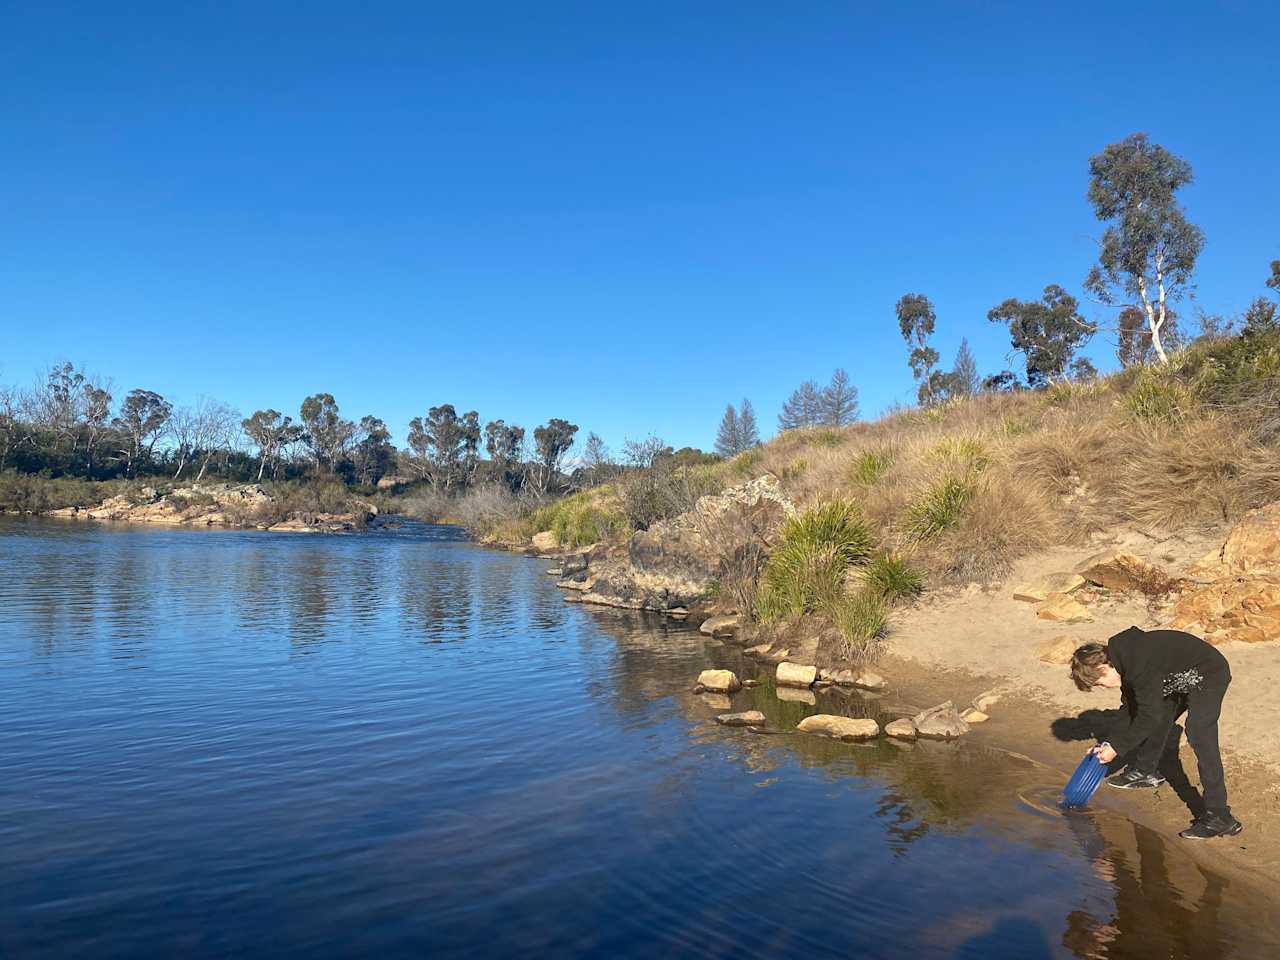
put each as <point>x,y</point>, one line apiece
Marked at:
<point>959,643</point>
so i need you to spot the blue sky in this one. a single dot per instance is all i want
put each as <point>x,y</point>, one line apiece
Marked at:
<point>624,214</point>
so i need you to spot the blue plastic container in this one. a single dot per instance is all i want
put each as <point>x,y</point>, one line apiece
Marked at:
<point>1084,782</point>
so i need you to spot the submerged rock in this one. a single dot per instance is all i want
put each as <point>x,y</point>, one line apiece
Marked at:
<point>796,674</point>
<point>942,722</point>
<point>903,729</point>
<point>972,716</point>
<point>984,701</point>
<point>719,681</point>
<point>716,701</point>
<point>841,728</point>
<point>795,695</point>
<point>748,718</point>
<point>760,650</point>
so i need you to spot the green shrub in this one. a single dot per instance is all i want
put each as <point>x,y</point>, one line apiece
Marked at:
<point>890,576</point>
<point>577,521</point>
<point>861,618</point>
<point>871,465</point>
<point>939,508</point>
<point>815,549</point>
<point>1157,396</point>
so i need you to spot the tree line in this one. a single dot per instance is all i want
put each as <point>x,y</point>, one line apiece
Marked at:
<point>69,424</point>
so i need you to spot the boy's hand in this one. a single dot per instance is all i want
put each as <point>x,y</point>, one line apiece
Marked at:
<point>1104,753</point>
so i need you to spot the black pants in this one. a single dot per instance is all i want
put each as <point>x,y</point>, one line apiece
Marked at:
<point>1202,706</point>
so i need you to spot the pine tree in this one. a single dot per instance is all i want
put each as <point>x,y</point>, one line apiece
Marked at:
<point>728,437</point>
<point>748,435</point>
<point>964,376</point>
<point>839,401</point>
<point>803,408</point>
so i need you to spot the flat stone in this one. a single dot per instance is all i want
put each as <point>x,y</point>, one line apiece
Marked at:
<point>719,681</point>
<point>760,650</point>
<point>942,722</point>
<point>748,718</point>
<point>720,626</point>
<point>1119,571</point>
<point>1037,591</point>
<point>972,716</point>
<point>796,675</point>
<point>1059,650</point>
<point>903,729</point>
<point>1063,609</point>
<point>750,683</point>
<point>841,728</point>
<point>868,680</point>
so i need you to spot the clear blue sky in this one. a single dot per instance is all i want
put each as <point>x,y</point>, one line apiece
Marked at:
<point>624,214</point>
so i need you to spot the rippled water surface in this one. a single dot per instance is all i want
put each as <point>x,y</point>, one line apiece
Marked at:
<point>399,744</point>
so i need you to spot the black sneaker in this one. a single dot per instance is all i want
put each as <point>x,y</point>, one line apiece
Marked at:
<point>1135,780</point>
<point>1212,825</point>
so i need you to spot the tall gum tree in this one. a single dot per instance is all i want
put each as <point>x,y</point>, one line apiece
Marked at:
<point>1149,249</point>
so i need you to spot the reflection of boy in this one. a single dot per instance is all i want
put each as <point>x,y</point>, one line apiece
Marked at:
<point>1162,674</point>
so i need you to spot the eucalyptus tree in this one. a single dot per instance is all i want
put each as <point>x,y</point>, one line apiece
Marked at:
<point>551,442</point>
<point>916,320</point>
<point>1047,332</point>
<point>271,432</point>
<point>372,453</point>
<point>326,434</point>
<point>142,419</point>
<point>1149,248</point>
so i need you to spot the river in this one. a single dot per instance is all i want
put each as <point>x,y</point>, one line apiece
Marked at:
<point>397,743</point>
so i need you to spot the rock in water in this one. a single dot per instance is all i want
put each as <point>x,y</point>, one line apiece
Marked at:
<point>841,728</point>
<point>903,729</point>
<point>716,701</point>
<point>795,695</point>
<point>722,626</point>
<point>942,722</point>
<point>719,681</point>
<point>984,701</point>
<point>749,718</point>
<point>1037,591</point>
<point>1062,608</point>
<point>1059,650</point>
<point>972,716</point>
<point>796,675</point>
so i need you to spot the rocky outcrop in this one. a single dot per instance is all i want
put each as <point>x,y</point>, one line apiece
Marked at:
<point>545,541</point>
<point>839,728</point>
<point>795,675</point>
<point>1253,546</point>
<point>1246,610</point>
<point>942,722</point>
<point>748,718</point>
<point>719,681</point>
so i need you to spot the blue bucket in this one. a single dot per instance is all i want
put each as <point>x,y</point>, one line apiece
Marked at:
<point>1084,782</point>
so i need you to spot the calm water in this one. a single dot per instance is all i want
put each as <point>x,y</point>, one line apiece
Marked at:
<point>399,744</point>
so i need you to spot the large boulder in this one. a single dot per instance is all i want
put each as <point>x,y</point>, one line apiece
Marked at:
<point>796,675</point>
<point>1037,591</point>
<point>544,541</point>
<point>841,728</point>
<point>719,681</point>
<point>1244,610</point>
<point>1253,546</point>
<point>942,722</point>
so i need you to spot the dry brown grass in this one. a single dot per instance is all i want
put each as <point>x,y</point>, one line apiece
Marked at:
<point>967,489</point>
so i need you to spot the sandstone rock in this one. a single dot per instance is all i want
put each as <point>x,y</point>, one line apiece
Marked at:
<point>972,716</point>
<point>1037,591</point>
<point>984,701</point>
<point>749,718</point>
<point>721,626</point>
<point>716,701</point>
<point>553,572</point>
<point>777,656</point>
<point>546,540</point>
<point>759,650</point>
<point>903,729</point>
<point>1253,546</point>
<point>1064,609</point>
<point>1121,571</point>
<point>867,680</point>
<point>1243,610</point>
<point>942,722</point>
<point>1059,650</point>
<point>719,681</point>
<point>795,695</point>
<point>841,728</point>
<point>795,675</point>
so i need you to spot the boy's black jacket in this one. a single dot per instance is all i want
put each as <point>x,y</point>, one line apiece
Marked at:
<point>1145,659</point>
